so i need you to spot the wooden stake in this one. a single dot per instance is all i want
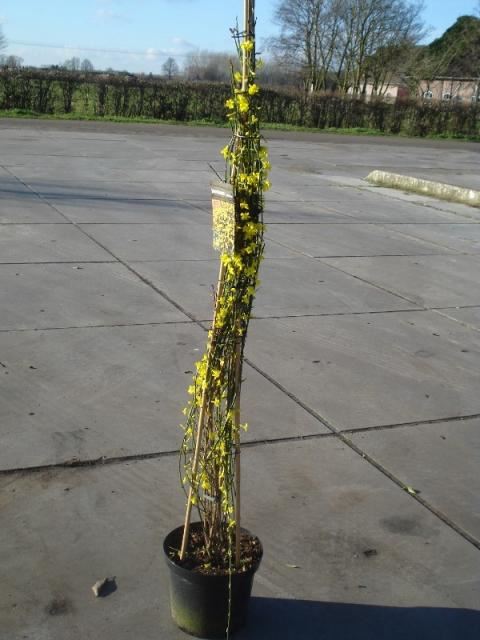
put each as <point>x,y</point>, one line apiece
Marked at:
<point>238,384</point>
<point>201,422</point>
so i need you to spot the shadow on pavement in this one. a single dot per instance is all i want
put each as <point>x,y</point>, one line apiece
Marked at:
<point>280,619</point>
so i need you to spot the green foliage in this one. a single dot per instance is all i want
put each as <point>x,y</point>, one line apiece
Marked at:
<point>458,49</point>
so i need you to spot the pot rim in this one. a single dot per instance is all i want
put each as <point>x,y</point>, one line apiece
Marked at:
<point>197,575</point>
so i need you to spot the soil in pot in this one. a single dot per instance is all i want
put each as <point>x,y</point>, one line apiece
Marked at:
<point>205,600</point>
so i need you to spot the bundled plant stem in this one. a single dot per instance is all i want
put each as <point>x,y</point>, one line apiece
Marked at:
<point>210,452</point>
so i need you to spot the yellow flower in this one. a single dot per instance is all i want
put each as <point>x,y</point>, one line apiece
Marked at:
<point>225,152</point>
<point>253,89</point>
<point>230,104</point>
<point>247,45</point>
<point>237,76</point>
<point>243,104</point>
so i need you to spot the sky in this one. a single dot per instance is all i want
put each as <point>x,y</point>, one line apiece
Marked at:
<point>138,35</point>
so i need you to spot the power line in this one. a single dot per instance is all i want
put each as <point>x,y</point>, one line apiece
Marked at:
<point>130,52</point>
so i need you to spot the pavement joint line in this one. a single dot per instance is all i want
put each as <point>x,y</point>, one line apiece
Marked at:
<point>441,245</point>
<point>359,223</point>
<point>390,255</point>
<point>415,423</point>
<point>130,224</point>
<point>103,461</point>
<point>463,323</point>
<point>388,474</point>
<point>33,224</point>
<point>62,262</point>
<point>341,314</point>
<point>342,437</point>
<point>99,326</point>
<point>373,284</point>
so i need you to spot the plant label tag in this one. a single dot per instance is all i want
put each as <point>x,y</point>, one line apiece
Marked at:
<point>223,208</point>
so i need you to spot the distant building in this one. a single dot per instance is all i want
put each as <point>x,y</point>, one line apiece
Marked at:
<point>465,90</point>
<point>450,89</point>
<point>395,89</point>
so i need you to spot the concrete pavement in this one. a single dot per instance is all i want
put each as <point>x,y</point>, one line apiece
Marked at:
<point>361,391</point>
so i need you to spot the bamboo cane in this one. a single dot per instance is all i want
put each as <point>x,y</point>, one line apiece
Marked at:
<point>201,421</point>
<point>238,383</point>
<point>248,33</point>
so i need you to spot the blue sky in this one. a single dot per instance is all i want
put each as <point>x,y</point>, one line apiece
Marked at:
<point>138,35</point>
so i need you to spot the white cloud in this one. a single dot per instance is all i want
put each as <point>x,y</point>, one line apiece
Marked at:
<point>151,54</point>
<point>110,15</point>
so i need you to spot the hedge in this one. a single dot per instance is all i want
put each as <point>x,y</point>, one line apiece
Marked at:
<point>99,94</point>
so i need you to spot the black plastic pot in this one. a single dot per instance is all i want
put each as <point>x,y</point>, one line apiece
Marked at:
<point>200,603</point>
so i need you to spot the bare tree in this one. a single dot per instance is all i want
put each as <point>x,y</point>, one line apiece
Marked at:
<point>86,66</point>
<point>208,65</point>
<point>13,62</point>
<point>306,42</point>
<point>337,40</point>
<point>274,73</point>
<point>72,64</point>
<point>170,68</point>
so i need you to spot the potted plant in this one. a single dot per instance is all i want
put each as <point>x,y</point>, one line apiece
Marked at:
<point>212,562</point>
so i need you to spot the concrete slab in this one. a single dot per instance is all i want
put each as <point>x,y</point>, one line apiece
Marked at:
<point>132,211</point>
<point>327,506</point>
<point>88,393</point>
<point>380,369</point>
<point>167,241</point>
<point>432,281</point>
<point>300,286</point>
<point>19,204</point>
<point>439,460</point>
<point>333,240</point>
<point>78,188</point>
<point>93,392</point>
<point>375,207</point>
<point>282,212</point>
<point>25,243</point>
<point>459,237</point>
<point>462,210</point>
<point>155,242</point>
<point>75,295</point>
<point>62,168</point>
<point>27,208</point>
